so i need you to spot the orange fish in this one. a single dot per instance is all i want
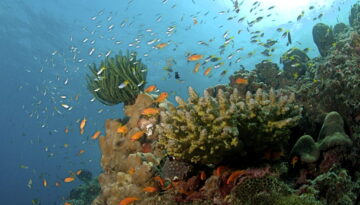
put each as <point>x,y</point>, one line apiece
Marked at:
<point>131,171</point>
<point>83,123</point>
<point>150,111</point>
<point>150,189</point>
<point>294,160</point>
<point>78,172</point>
<point>57,184</point>
<point>194,57</point>
<point>162,97</point>
<point>45,183</point>
<point>241,81</point>
<point>67,203</point>
<point>195,20</point>
<point>196,69</point>
<point>81,152</point>
<point>146,147</point>
<point>207,71</point>
<point>161,45</point>
<point>128,200</point>
<point>122,129</point>
<point>66,130</point>
<point>137,135</point>
<point>220,170</point>
<point>160,180</point>
<point>69,179</point>
<point>96,135</point>
<point>202,175</point>
<point>150,88</point>
<point>235,175</point>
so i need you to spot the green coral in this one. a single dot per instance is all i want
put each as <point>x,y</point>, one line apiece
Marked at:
<point>331,134</point>
<point>104,80</point>
<point>334,187</point>
<point>268,190</point>
<point>208,129</point>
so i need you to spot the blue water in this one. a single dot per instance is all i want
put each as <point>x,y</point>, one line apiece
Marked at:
<point>43,56</point>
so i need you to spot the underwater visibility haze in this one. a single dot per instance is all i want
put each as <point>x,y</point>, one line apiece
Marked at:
<point>150,102</point>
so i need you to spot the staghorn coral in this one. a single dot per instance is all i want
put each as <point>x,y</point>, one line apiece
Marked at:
<point>206,130</point>
<point>104,81</point>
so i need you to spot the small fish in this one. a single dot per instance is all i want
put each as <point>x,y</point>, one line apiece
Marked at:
<point>137,135</point>
<point>162,97</point>
<point>131,171</point>
<point>57,184</point>
<point>29,184</point>
<point>150,189</point>
<point>124,84</point>
<point>44,183</point>
<point>220,170</point>
<point>234,176</point>
<point>160,180</point>
<point>150,111</point>
<point>101,70</point>
<point>306,50</point>
<point>196,69</point>
<point>194,57</point>
<point>80,152</point>
<point>83,123</point>
<point>207,71</point>
<point>128,200</point>
<point>294,160</point>
<point>122,129</point>
<point>24,167</point>
<point>241,81</point>
<point>65,106</point>
<point>202,175</point>
<point>149,89</point>
<point>78,172</point>
<point>96,135</point>
<point>161,45</point>
<point>67,203</point>
<point>69,179</point>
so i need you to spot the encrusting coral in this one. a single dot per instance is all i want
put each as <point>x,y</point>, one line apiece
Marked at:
<point>127,166</point>
<point>117,80</point>
<point>206,130</point>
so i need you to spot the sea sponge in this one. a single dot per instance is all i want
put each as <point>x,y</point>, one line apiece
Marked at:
<point>207,130</point>
<point>104,81</point>
<point>332,132</point>
<point>331,135</point>
<point>126,170</point>
<point>306,149</point>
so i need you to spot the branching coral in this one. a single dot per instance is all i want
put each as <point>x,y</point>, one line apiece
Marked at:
<point>117,79</point>
<point>206,130</point>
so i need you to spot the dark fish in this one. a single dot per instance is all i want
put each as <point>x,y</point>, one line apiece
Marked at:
<point>311,7</point>
<point>177,76</point>
<point>289,38</point>
<point>271,7</point>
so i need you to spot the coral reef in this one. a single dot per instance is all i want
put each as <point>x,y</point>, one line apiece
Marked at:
<point>295,63</point>
<point>334,187</point>
<point>331,83</point>
<point>323,38</point>
<point>117,79</point>
<point>85,193</point>
<point>85,175</point>
<point>206,130</point>
<point>354,18</point>
<point>127,167</point>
